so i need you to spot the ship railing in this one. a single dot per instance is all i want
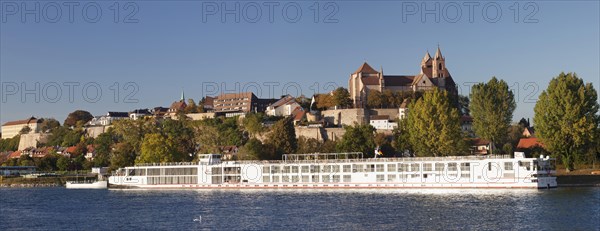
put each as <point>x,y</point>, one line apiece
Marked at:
<point>381,159</point>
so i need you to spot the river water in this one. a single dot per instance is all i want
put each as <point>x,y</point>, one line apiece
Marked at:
<point>414,209</point>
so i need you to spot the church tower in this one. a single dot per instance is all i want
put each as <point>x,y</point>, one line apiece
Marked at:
<point>439,65</point>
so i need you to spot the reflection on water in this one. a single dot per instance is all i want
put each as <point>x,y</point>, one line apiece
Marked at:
<point>364,209</point>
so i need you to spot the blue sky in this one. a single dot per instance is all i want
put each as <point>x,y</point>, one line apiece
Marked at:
<point>181,45</point>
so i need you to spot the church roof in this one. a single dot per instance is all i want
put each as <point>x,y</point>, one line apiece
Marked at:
<point>370,80</point>
<point>365,68</point>
<point>398,80</point>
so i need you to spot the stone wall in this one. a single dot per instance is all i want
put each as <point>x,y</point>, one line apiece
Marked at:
<point>320,134</point>
<point>342,117</point>
<point>95,131</point>
<point>31,140</point>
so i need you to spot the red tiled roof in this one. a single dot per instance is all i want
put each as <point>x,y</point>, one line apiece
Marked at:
<point>479,142</point>
<point>71,149</point>
<point>298,113</point>
<point>365,68</point>
<point>529,143</point>
<point>179,105</point>
<point>25,121</point>
<point>15,154</point>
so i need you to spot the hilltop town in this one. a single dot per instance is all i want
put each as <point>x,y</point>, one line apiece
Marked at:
<point>418,114</point>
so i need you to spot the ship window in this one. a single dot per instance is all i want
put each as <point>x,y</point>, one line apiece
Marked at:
<point>304,178</point>
<point>285,179</point>
<point>357,168</point>
<point>295,179</point>
<point>391,167</point>
<point>380,178</point>
<point>347,178</point>
<point>508,166</point>
<point>391,177</point>
<point>427,167</point>
<point>336,178</point>
<point>347,168</point>
<point>266,179</point>
<point>335,168</point>
<point>414,167</point>
<point>439,167</point>
<point>305,169</point>
<point>294,169</point>
<point>379,168</point>
<point>452,166</point>
<point>265,169</point>
<point>315,178</point>
<point>275,179</point>
<point>370,167</point>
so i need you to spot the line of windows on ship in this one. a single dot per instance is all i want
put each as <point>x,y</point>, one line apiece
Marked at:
<point>163,172</point>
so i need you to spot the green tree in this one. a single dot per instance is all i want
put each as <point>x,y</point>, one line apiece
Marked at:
<point>401,140</point>
<point>492,106</point>
<point>123,155</point>
<point>48,124</point>
<point>358,138</point>
<point>155,149</point>
<point>434,127</point>
<point>374,99</point>
<point>341,97</point>
<point>253,150</point>
<point>10,144</point>
<point>191,106</point>
<point>78,116</point>
<point>25,130</point>
<point>253,123</point>
<point>63,163</point>
<point>566,117</point>
<point>283,137</point>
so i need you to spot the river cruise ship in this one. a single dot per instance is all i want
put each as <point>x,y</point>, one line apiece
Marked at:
<point>342,170</point>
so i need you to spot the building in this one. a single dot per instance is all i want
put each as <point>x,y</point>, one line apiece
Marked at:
<point>529,143</point>
<point>106,120</point>
<point>229,152</point>
<point>433,75</point>
<point>13,128</point>
<point>139,113</point>
<point>283,107</point>
<point>466,125</point>
<point>234,104</point>
<point>208,103</point>
<point>382,122</point>
<point>529,132</point>
<point>480,146</point>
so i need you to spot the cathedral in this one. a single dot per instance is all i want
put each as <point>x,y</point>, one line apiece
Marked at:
<point>433,75</point>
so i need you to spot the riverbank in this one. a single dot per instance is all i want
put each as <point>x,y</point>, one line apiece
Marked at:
<point>578,178</point>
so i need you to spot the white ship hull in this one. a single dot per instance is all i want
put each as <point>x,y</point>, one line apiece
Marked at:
<point>448,172</point>
<point>92,185</point>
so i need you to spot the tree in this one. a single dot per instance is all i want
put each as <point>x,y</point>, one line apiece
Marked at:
<point>155,149</point>
<point>434,127</point>
<point>63,163</point>
<point>341,97</point>
<point>48,124</point>
<point>566,118</point>
<point>10,144</point>
<point>492,106</point>
<point>358,138</point>
<point>253,123</point>
<point>25,130</point>
<point>123,155</point>
<point>308,145</point>
<point>283,137</point>
<point>103,146</point>
<point>254,150</point>
<point>401,140</point>
<point>78,116</point>
<point>324,101</point>
<point>191,106</point>
<point>374,99</point>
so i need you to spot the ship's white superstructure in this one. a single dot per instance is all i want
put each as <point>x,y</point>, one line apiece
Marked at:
<point>344,170</point>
